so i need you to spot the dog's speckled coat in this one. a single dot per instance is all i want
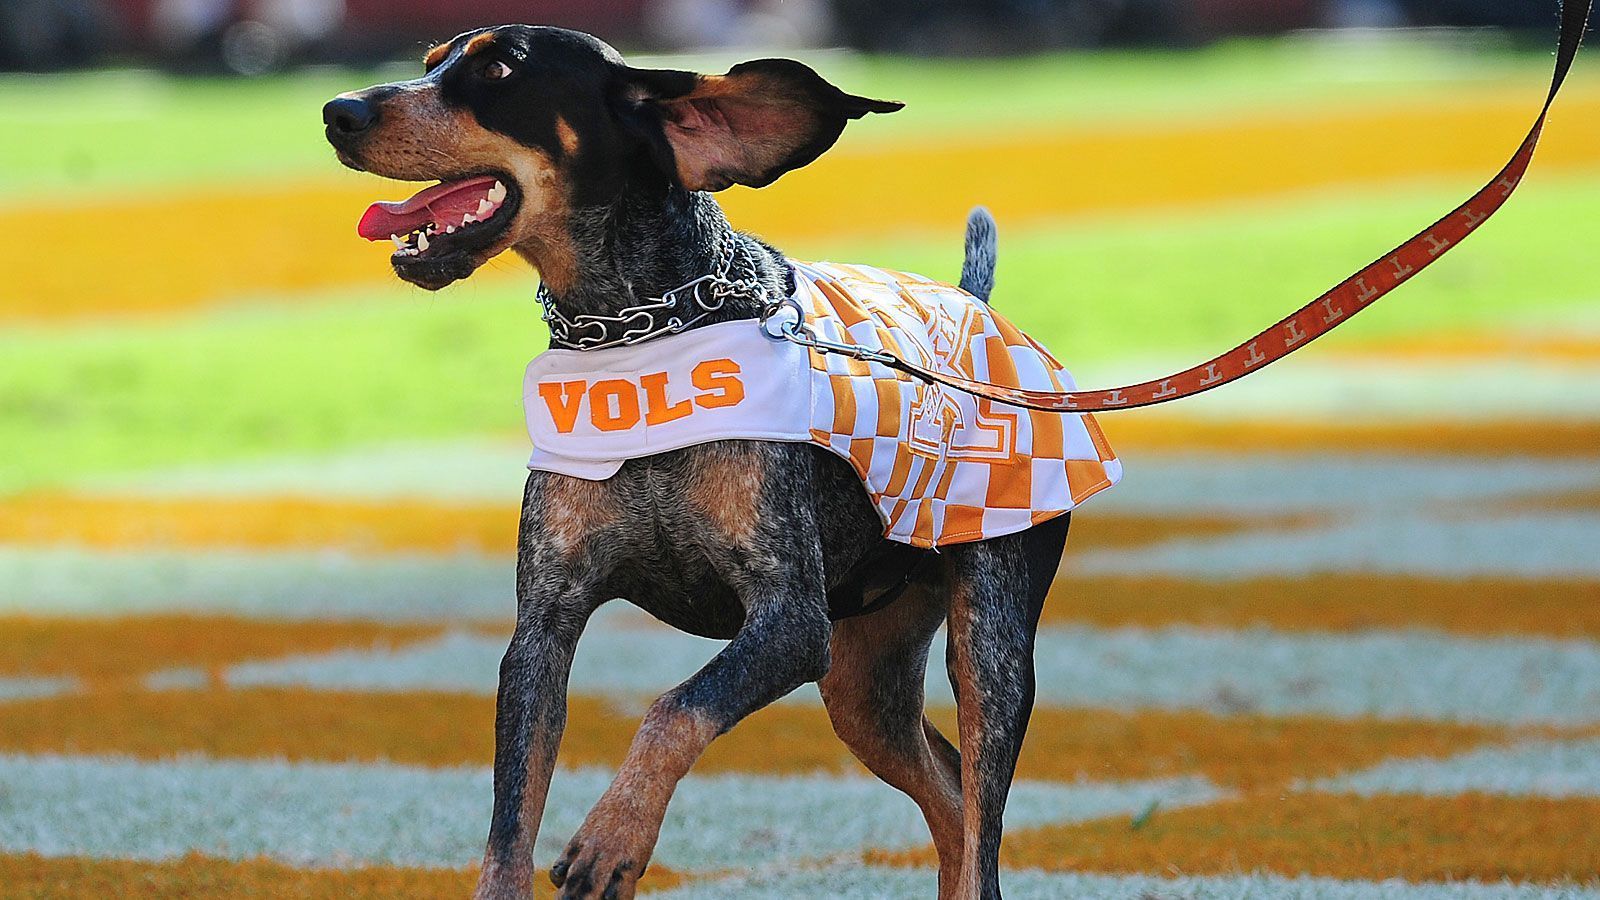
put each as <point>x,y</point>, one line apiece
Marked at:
<point>772,546</point>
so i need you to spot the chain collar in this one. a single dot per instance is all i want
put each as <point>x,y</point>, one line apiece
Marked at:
<point>675,310</point>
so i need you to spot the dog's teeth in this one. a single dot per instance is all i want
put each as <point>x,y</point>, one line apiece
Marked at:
<point>422,242</point>
<point>497,193</point>
<point>485,208</point>
<point>468,219</point>
<point>450,229</point>
<point>399,242</point>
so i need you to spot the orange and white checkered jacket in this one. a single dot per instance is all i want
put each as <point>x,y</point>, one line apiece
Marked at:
<point>941,466</point>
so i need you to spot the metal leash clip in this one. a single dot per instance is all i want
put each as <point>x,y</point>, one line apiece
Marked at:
<point>785,320</point>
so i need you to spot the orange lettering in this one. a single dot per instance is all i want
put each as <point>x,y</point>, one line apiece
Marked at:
<point>718,375</point>
<point>563,399</point>
<point>658,410</point>
<point>627,414</point>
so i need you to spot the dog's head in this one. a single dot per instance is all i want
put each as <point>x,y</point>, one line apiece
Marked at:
<point>522,124</point>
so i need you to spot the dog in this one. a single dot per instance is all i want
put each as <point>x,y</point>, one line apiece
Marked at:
<point>547,143</point>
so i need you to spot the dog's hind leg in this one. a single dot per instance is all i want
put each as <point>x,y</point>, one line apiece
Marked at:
<point>997,593</point>
<point>873,692</point>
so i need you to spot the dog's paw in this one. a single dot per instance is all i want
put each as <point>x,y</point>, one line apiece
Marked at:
<point>600,866</point>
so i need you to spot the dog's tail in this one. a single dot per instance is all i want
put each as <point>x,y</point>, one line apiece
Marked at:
<point>977,270</point>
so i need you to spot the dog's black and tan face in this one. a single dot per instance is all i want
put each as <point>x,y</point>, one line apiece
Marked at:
<point>524,125</point>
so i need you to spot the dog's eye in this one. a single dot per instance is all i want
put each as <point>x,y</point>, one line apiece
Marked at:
<point>496,70</point>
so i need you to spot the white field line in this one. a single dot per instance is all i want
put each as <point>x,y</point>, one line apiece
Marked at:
<point>1407,674</point>
<point>1349,481</point>
<point>618,657</point>
<point>492,472</point>
<point>467,587</point>
<point>1540,768</point>
<point>1526,545</point>
<point>278,585</point>
<point>1375,491</point>
<point>23,688</point>
<point>877,883</point>
<point>474,470</point>
<point>313,814</point>
<point>1401,674</point>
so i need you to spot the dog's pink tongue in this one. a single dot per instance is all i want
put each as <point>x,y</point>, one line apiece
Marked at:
<point>444,204</point>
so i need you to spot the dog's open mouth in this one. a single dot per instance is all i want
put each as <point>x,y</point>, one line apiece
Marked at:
<point>449,218</point>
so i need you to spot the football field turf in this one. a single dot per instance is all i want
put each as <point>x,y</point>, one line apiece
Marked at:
<point>1336,635</point>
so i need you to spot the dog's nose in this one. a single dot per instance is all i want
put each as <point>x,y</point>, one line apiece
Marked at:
<point>349,115</point>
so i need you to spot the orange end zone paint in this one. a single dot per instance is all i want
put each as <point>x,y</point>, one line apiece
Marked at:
<point>447,729</point>
<point>1478,606</point>
<point>1169,431</point>
<point>113,649</point>
<point>1124,168</point>
<point>383,527</point>
<point>197,877</point>
<point>1472,836</point>
<point>259,523</point>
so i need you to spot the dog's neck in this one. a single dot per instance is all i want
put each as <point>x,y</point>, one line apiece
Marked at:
<point>646,244</point>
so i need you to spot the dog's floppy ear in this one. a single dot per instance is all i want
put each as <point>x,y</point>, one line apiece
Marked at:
<point>749,126</point>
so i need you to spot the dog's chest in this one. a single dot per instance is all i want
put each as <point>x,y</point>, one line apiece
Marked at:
<point>688,532</point>
<point>688,522</point>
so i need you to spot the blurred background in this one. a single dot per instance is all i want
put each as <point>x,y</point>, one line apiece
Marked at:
<point>1336,635</point>
<point>251,37</point>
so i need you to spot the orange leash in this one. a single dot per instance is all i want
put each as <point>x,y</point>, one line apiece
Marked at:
<point>1316,318</point>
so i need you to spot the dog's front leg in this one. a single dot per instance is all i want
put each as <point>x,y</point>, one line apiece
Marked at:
<point>530,715</point>
<point>769,658</point>
<point>556,591</point>
<point>782,645</point>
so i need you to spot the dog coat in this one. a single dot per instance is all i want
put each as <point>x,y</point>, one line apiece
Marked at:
<point>941,466</point>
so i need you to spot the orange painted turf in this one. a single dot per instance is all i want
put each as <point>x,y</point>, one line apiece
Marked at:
<point>444,729</point>
<point>422,728</point>
<point>299,240</point>
<point>109,651</point>
<point>1467,606</point>
<point>1245,751</point>
<point>380,527</point>
<point>1159,431</point>
<point>1472,836</point>
<point>262,523</point>
<point>196,877</point>
<point>310,227</point>
<point>1096,530</point>
<point>1568,501</point>
<point>1476,346</point>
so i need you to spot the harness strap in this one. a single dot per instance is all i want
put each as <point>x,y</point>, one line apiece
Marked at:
<point>849,600</point>
<point>1311,321</point>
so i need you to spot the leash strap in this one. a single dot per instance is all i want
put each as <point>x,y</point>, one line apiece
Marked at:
<point>1311,321</point>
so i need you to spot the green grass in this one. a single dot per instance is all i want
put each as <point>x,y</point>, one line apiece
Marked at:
<point>397,363</point>
<point>1181,288</point>
<point>393,363</point>
<point>94,133</point>
<point>111,131</point>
